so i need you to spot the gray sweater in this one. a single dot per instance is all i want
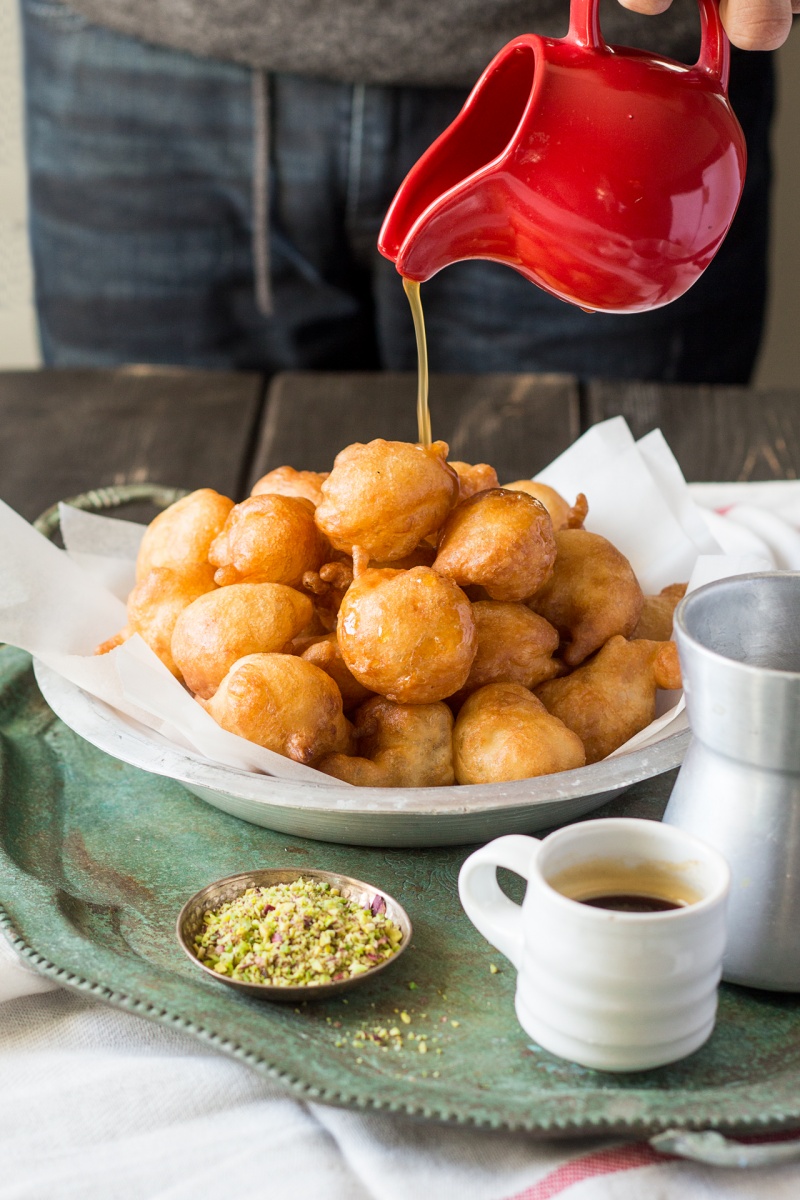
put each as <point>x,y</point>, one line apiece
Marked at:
<point>430,42</point>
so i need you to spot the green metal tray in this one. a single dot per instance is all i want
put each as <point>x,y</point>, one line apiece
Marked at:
<point>96,859</point>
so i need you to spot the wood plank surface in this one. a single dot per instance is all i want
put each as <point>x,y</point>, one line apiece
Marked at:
<point>518,423</point>
<point>67,431</point>
<point>716,433</point>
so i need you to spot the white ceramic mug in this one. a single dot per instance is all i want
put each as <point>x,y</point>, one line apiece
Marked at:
<point>617,991</point>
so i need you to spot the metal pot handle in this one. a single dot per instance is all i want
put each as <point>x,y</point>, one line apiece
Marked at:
<point>712,1148</point>
<point>101,499</point>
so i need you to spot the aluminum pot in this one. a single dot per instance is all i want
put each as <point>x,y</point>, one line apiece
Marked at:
<point>739,786</point>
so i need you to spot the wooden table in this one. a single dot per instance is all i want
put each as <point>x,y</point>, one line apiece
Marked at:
<point>64,431</point>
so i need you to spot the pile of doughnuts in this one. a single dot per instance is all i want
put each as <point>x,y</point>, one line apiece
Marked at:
<point>404,621</point>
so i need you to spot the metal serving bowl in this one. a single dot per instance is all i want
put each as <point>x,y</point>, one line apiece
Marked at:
<point>362,816</point>
<point>330,811</point>
<point>190,922</point>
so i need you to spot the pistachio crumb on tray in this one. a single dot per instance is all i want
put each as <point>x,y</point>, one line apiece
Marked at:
<point>303,933</point>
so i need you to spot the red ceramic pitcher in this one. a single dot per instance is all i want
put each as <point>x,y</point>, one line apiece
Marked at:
<point>606,175</point>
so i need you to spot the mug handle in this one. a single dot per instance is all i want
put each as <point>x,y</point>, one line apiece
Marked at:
<point>715,50</point>
<point>490,910</point>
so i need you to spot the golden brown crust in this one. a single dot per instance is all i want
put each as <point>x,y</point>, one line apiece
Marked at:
<point>182,534</point>
<point>612,697</point>
<point>219,628</point>
<point>502,541</point>
<point>655,622</point>
<point>398,745</point>
<point>592,595</point>
<point>284,704</point>
<point>421,556</point>
<point>515,645</point>
<point>474,478</point>
<point>286,481</point>
<point>408,635</point>
<point>385,497</point>
<point>324,652</point>
<point>561,514</point>
<point>268,539</point>
<point>158,600</point>
<point>578,513</point>
<point>503,732</point>
<point>112,642</point>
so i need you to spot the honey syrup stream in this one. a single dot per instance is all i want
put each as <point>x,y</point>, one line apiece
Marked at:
<point>411,288</point>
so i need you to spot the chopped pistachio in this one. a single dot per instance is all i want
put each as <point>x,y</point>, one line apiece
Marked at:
<point>405,1018</point>
<point>303,933</point>
<point>493,968</point>
<point>455,1024</point>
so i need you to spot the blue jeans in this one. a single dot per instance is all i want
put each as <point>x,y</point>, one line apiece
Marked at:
<point>148,182</point>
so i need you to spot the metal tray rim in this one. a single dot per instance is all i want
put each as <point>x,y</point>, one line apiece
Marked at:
<point>555,1127</point>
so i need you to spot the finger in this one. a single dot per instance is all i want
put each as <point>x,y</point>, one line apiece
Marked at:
<point>757,24</point>
<point>650,8</point>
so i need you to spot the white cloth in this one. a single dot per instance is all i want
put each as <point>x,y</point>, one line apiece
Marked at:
<point>96,1104</point>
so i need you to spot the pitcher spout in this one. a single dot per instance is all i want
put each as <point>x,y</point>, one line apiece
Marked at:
<point>437,216</point>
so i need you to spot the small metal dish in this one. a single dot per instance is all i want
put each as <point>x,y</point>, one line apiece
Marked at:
<point>190,920</point>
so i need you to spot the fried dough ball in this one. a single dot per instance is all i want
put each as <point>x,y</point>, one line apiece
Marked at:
<point>182,534</point>
<point>328,586</point>
<point>474,478</point>
<point>409,635</point>
<point>217,629</point>
<point>561,514</point>
<point>399,745</point>
<point>268,539</point>
<point>385,497</point>
<point>158,600</point>
<point>112,642</point>
<point>503,732</point>
<point>331,577</point>
<point>613,696</point>
<point>285,481</point>
<point>324,652</point>
<point>501,540</point>
<point>593,594</point>
<point>658,613</point>
<point>283,703</point>
<point>515,645</point>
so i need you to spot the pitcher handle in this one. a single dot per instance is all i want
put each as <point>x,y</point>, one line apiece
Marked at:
<point>715,51</point>
<point>584,24</point>
<point>490,910</point>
